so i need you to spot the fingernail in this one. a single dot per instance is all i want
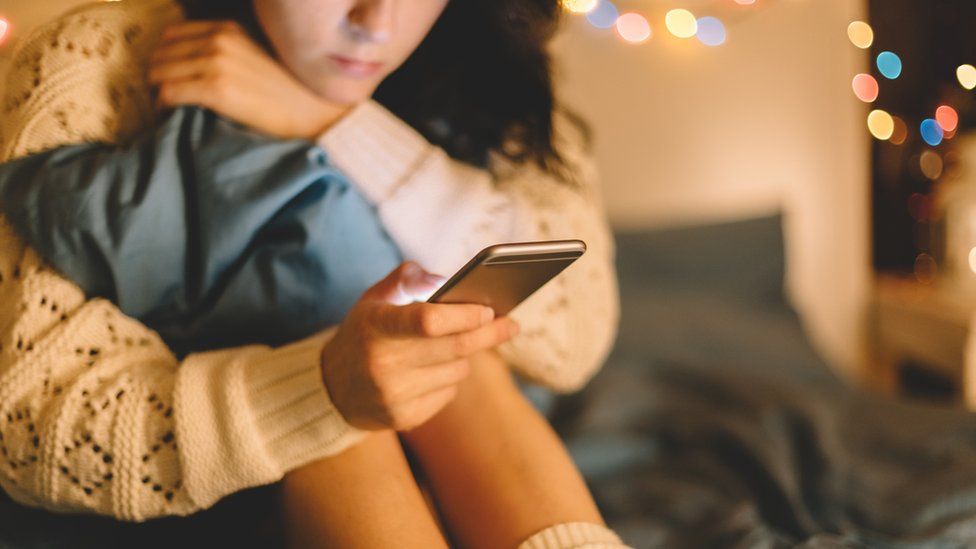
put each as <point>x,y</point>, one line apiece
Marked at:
<point>487,315</point>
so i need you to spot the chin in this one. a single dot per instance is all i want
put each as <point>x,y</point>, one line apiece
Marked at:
<point>345,91</point>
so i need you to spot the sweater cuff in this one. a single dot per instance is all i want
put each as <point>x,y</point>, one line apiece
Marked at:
<point>375,149</point>
<point>291,408</point>
<point>574,535</point>
<point>247,416</point>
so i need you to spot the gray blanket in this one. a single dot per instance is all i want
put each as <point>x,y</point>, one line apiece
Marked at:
<point>715,424</point>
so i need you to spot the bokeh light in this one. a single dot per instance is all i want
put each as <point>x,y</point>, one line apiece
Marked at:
<point>633,27</point>
<point>4,30</point>
<point>931,165</point>
<point>604,15</point>
<point>889,65</point>
<point>932,132</point>
<point>865,87</point>
<point>948,118</point>
<point>861,34</point>
<point>681,23</point>
<point>972,260</point>
<point>711,31</point>
<point>926,269</point>
<point>900,132</point>
<point>967,76</point>
<point>579,6</point>
<point>919,206</point>
<point>880,124</point>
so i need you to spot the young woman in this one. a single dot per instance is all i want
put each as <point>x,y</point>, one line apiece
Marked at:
<point>245,416</point>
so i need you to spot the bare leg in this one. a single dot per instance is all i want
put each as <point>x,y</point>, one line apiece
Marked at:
<point>364,497</point>
<point>497,469</point>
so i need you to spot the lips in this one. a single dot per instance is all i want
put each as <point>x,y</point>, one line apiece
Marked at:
<point>356,67</point>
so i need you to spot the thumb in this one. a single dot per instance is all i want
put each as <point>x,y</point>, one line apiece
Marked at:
<point>404,284</point>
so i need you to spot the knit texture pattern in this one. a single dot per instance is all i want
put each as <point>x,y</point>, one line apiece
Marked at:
<point>96,414</point>
<point>574,535</point>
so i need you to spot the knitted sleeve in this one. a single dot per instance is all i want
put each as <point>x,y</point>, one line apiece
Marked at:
<point>440,212</point>
<point>96,414</point>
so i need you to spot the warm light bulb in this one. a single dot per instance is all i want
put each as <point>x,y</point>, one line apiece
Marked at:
<point>881,124</point>
<point>633,27</point>
<point>579,6</point>
<point>967,76</point>
<point>861,34</point>
<point>681,23</point>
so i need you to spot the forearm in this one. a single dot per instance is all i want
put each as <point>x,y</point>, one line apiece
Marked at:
<point>97,416</point>
<point>212,234</point>
<point>441,212</point>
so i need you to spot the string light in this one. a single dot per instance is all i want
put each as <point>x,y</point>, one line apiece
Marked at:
<point>604,15</point>
<point>931,165</point>
<point>579,6</point>
<point>900,132</point>
<point>967,76</point>
<point>681,23</point>
<point>947,117</point>
<point>711,31</point>
<point>881,124</point>
<point>861,34</point>
<point>865,87</point>
<point>932,132</point>
<point>633,27</point>
<point>889,65</point>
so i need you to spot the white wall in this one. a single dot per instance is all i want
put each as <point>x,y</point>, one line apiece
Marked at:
<point>688,134</point>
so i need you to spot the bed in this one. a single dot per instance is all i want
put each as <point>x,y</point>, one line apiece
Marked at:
<point>716,424</point>
<point>713,424</point>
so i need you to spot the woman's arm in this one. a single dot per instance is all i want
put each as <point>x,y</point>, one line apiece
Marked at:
<point>569,325</point>
<point>212,234</point>
<point>96,415</point>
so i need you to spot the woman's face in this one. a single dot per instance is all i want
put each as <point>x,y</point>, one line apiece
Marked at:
<point>343,49</point>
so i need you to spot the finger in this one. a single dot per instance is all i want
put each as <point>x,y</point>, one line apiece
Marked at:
<point>390,289</point>
<point>182,49</point>
<point>175,71</point>
<point>427,407</point>
<point>198,92</point>
<point>426,351</point>
<point>195,29</point>
<point>420,288</point>
<point>431,319</point>
<point>417,382</point>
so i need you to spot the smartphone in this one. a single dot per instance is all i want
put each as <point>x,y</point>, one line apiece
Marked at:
<point>504,275</point>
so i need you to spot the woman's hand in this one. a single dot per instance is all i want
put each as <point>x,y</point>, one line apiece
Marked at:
<point>395,366</point>
<point>215,64</point>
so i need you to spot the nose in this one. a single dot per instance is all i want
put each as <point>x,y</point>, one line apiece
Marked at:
<point>371,20</point>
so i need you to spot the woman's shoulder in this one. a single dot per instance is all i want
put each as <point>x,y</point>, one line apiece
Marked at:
<point>81,76</point>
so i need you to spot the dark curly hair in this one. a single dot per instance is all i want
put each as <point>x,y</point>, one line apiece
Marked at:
<point>480,82</point>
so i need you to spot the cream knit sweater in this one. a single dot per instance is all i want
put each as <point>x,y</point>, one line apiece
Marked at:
<point>97,415</point>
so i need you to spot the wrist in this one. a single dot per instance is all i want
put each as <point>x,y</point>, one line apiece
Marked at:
<point>322,116</point>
